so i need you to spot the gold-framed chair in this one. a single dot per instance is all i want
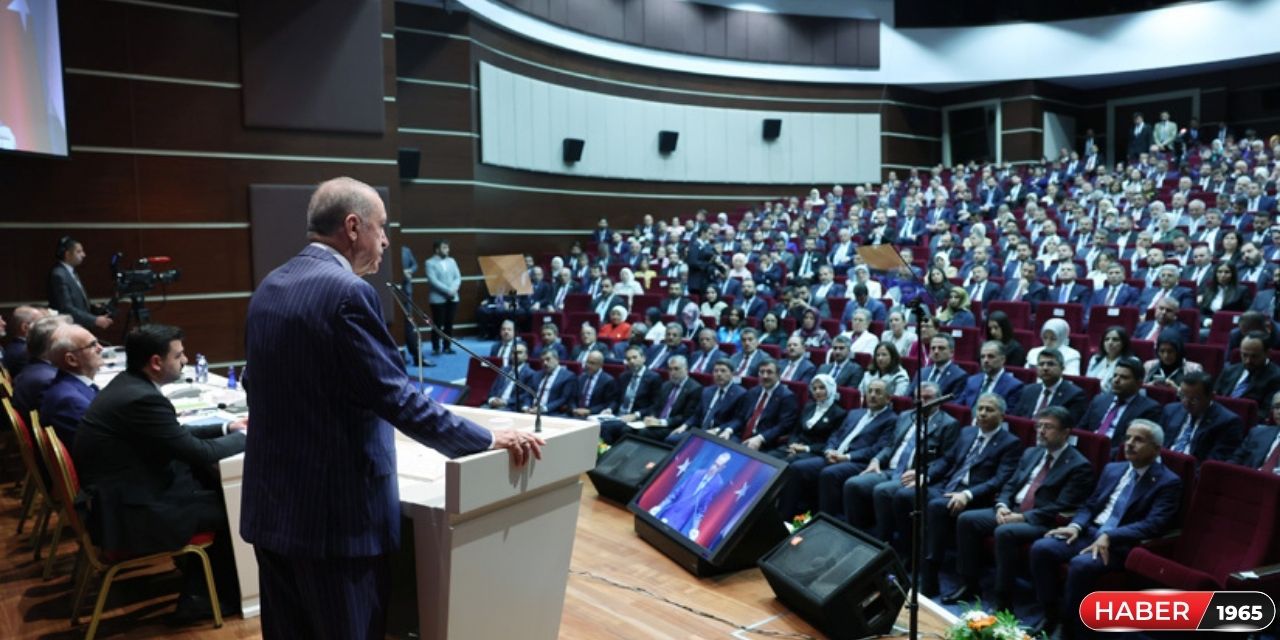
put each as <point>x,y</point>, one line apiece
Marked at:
<point>109,562</point>
<point>35,479</point>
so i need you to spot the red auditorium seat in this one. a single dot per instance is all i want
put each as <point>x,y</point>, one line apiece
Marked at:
<point>1019,312</point>
<point>1244,407</point>
<point>1024,428</point>
<point>1072,313</point>
<point>1185,466</point>
<point>1210,356</point>
<point>1163,394</point>
<point>1102,318</point>
<point>1221,326</point>
<point>851,399</point>
<point>1095,446</point>
<point>1233,528</point>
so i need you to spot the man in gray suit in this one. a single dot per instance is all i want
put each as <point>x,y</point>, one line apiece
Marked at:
<point>443,279</point>
<point>67,294</point>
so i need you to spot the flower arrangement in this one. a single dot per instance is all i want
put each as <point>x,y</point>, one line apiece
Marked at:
<point>977,624</point>
<point>798,522</point>
<point>601,447</point>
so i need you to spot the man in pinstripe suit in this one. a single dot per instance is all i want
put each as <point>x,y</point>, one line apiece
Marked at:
<point>321,504</point>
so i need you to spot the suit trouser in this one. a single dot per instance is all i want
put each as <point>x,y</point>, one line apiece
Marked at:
<point>612,431</point>
<point>809,478</point>
<point>442,315</point>
<point>1083,570</point>
<point>338,598</point>
<point>860,509</point>
<point>973,527</point>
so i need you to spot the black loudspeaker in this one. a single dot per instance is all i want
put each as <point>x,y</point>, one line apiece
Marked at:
<point>839,579</point>
<point>627,465</point>
<point>667,141</point>
<point>408,158</point>
<point>573,150</point>
<point>772,128</point>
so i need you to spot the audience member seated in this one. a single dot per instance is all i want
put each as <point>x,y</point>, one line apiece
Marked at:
<point>556,391</point>
<point>886,365</point>
<point>550,336</point>
<point>1166,319</point>
<point>771,331</point>
<point>1050,479</point>
<point>145,474</point>
<point>818,481</point>
<point>810,332</point>
<point>1133,501</point>
<point>1115,347</point>
<point>1170,364</point>
<point>968,476</point>
<point>15,353</point>
<point>638,396</point>
<point>899,333</point>
<point>1167,287</point>
<point>991,379</point>
<point>869,496</point>
<point>747,360</point>
<point>795,362</point>
<point>841,365</point>
<point>38,374</point>
<point>1254,321</point>
<point>821,415</point>
<point>1198,426</point>
<point>1261,450</point>
<point>597,390</point>
<point>504,394</point>
<point>712,306</point>
<point>731,325</point>
<point>1000,328</point>
<point>672,345</point>
<point>617,328</point>
<point>1110,413</point>
<point>1051,390</point>
<point>504,348</point>
<point>78,356</point>
<point>719,407</point>
<point>588,344</point>
<point>1056,334</point>
<point>1255,377</point>
<point>942,370</point>
<point>769,411</point>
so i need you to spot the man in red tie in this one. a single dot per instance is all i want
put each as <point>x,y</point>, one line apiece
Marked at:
<point>772,410</point>
<point>1052,477</point>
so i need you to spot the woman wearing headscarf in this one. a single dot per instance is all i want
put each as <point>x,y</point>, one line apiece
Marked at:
<point>627,285</point>
<point>617,328</point>
<point>1170,364</point>
<point>862,276</point>
<point>1056,334</point>
<point>690,319</point>
<point>811,332</point>
<point>820,417</point>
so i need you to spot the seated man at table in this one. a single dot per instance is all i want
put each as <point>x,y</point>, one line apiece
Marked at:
<point>38,374</point>
<point>144,472</point>
<point>78,357</point>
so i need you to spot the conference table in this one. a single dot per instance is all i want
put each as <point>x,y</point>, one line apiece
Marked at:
<point>483,532</point>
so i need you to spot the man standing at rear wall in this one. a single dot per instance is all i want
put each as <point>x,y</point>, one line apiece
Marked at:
<point>321,503</point>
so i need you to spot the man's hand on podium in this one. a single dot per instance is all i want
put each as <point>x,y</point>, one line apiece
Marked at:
<point>520,444</point>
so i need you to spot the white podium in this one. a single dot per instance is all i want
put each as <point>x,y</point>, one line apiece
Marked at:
<point>492,543</point>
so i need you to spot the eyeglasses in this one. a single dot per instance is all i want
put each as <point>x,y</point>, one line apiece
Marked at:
<point>91,345</point>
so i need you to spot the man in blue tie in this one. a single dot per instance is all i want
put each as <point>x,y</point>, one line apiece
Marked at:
<point>506,395</point>
<point>1135,500</point>
<point>1255,377</point>
<point>1198,426</point>
<point>78,356</point>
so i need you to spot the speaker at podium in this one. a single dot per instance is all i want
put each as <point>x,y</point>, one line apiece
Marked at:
<point>839,579</point>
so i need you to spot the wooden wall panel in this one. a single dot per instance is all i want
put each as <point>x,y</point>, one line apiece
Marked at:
<point>908,151</point>
<point>433,107</point>
<point>426,57</point>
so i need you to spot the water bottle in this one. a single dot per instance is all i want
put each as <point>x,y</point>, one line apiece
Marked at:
<point>202,369</point>
<point>231,377</point>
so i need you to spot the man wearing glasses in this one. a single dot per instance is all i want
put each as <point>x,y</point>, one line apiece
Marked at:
<point>78,356</point>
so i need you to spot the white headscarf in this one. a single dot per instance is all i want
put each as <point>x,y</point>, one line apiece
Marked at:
<point>832,395</point>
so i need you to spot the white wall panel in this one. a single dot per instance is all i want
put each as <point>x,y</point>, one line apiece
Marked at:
<point>523,122</point>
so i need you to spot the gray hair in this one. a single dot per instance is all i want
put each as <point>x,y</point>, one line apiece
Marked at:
<point>334,200</point>
<point>677,359</point>
<point>1157,431</point>
<point>40,339</point>
<point>997,398</point>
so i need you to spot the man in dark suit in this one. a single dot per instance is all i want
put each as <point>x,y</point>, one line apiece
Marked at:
<point>718,412</point>
<point>991,379</point>
<point>1255,377</point>
<point>637,392</point>
<point>330,386</point>
<point>769,410</point>
<point>504,348</point>
<point>557,389</point>
<point>1251,321</point>
<point>728,287</point>
<point>597,390</point>
<point>825,288</point>
<point>1139,138</point>
<point>1051,478</point>
<point>746,362</point>
<point>704,264</point>
<point>1109,414</point>
<point>968,477</point>
<point>1115,293</point>
<point>842,367</point>
<point>674,404</point>
<point>38,375</point>
<point>504,394</point>
<point>893,467</point>
<point>138,466</point>
<point>1134,500</point>
<point>942,370</point>
<point>1052,390</point>
<point>684,508</point>
<point>819,480</point>
<point>979,287</point>
<point>67,294</point>
<point>707,352</point>
<point>675,301</point>
<point>806,270</point>
<point>587,345</point>
<point>1261,450</point>
<point>1069,290</point>
<point>1166,319</point>
<point>671,345</point>
<point>1168,288</point>
<point>605,301</point>
<point>1198,426</point>
<point>78,357</point>
<point>861,300</point>
<point>16,355</point>
<point>1026,287</point>
<point>752,305</point>
<point>795,363</point>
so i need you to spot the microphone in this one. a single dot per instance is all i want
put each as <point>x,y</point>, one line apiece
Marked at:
<point>411,310</point>
<point>155,260</point>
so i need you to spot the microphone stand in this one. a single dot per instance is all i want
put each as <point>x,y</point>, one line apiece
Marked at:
<point>408,317</point>
<point>407,305</point>
<point>917,513</point>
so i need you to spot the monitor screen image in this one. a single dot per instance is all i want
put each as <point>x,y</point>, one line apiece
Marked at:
<point>442,392</point>
<point>33,116</point>
<point>705,489</point>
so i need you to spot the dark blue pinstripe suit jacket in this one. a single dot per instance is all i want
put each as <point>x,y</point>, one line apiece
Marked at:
<point>328,384</point>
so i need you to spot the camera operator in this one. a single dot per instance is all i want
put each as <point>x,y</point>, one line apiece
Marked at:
<point>67,294</point>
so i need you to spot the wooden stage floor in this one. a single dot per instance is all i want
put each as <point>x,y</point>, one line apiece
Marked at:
<point>619,587</point>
